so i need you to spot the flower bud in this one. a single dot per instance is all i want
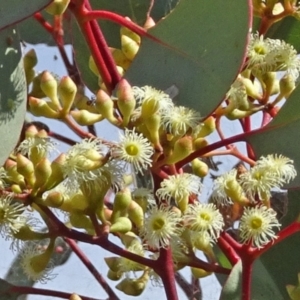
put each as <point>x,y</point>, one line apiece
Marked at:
<point>121,225</point>
<point>199,167</point>
<point>83,102</point>
<point>30,59</point>
<point>29,75</point>
<point>153,124</point>
<point>54,199</point>
<point>13,174</point>
<point>80,220</point>
<point>121,203</point>
<point>105,106</point>
<point>25,167</point>
<point>133,287</point>
<point>271,84</point>
<point>287,85</point>
<point>40,262</point>
<point>115,276</point>
<point>67,90</point>
<point>57,7</point>
<point>36,90</point>
<point>113,263</point>
<point>294,291</point>
<point>129,47</point>
<point>200,143</point>
<point>57,175</point>
<point>85,118</point>
<point>25,233</point>
<point>41,108</point>
<point>149,23</point>
<point>126,101</point>
<point>182,148</point>
<point>235,192</point>
<point>149,108</point>
<point>208,126</point>
<point>49,87</point>
<point>200,273</point>
<point>93,66</point>
<point>75,297</point>
<point>42,172</point>
<point>251,89</point>
<point>120,58</point>
<point>136,214</point>
<point>16,189</point>
<point>238,114</point>
<point>127,32</point>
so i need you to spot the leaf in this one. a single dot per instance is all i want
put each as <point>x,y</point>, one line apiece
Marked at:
<point>201,57</point>
<point>288,30</point>
<point>281,135</point>
<point>136,10</point>
<point>13,91</point>
<point>263,288</point>
<point>5,293</point>
<point>282,260</point>
<point>14,11</point>
<point>16,274</point>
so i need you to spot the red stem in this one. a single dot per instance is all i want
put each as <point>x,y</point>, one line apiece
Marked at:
<point>25,290</point>
<point>164,268</point>
<point>228,250</point>
<point>85,260</point>
<point>246,278</point>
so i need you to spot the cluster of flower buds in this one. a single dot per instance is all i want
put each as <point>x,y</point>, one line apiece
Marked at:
<point>253,88</point>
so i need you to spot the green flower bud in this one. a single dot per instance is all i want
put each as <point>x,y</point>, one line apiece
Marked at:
<point>121,203</point>
<point>29,75</point>
<point>40,262</point>
<point>25,233</point>
<point>83,102</point>
<point>36,90</point>
<point>16,189</point>
<point>26,168</point>
<point>80,220</point>
<point>129,47</point>
<point>271,84</point>
<point>120,58</point>
<point>208,126</point>
<point>49,87</point>
<point>136,214</point>
<point>93,66</point>
<point>200,143</point>
<point>182,148</point>
<point>127,32</point>
<point>294,291</point>
<point>153,124</point>
<point>41,108</point>
<point>57,175</point>
<point>115,276</point>
<point>113,263</point>
<point>67,90</point>
<point>235,192</point>
<point>251,89</point>
<point>30,59</point>
<point>13,174</point>
<point>133,287</point>
<point>57,7</point>
<point>75,297</point>
<point>121,225</point>
<point>199,167</point>
<point>200,273</point>
<point>42,172</point>
<point>287,85</point>
<point>126,101</point>
<point>54,199</point>
<point>85,118</point>
<point>105,106</point>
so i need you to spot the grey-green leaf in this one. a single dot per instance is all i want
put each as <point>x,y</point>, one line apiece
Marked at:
<point>13,91</point>
<point>201,56</point>
<point>14,11</point>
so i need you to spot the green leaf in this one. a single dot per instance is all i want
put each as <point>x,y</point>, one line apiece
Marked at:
<point>263,288</point>
<point>282,260</point>
<point>14,11</point>
<point>201,56</point>
<point>13,91</point>
<point>282,134</point>
<point>288,30</point>
<point>5,293</point>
